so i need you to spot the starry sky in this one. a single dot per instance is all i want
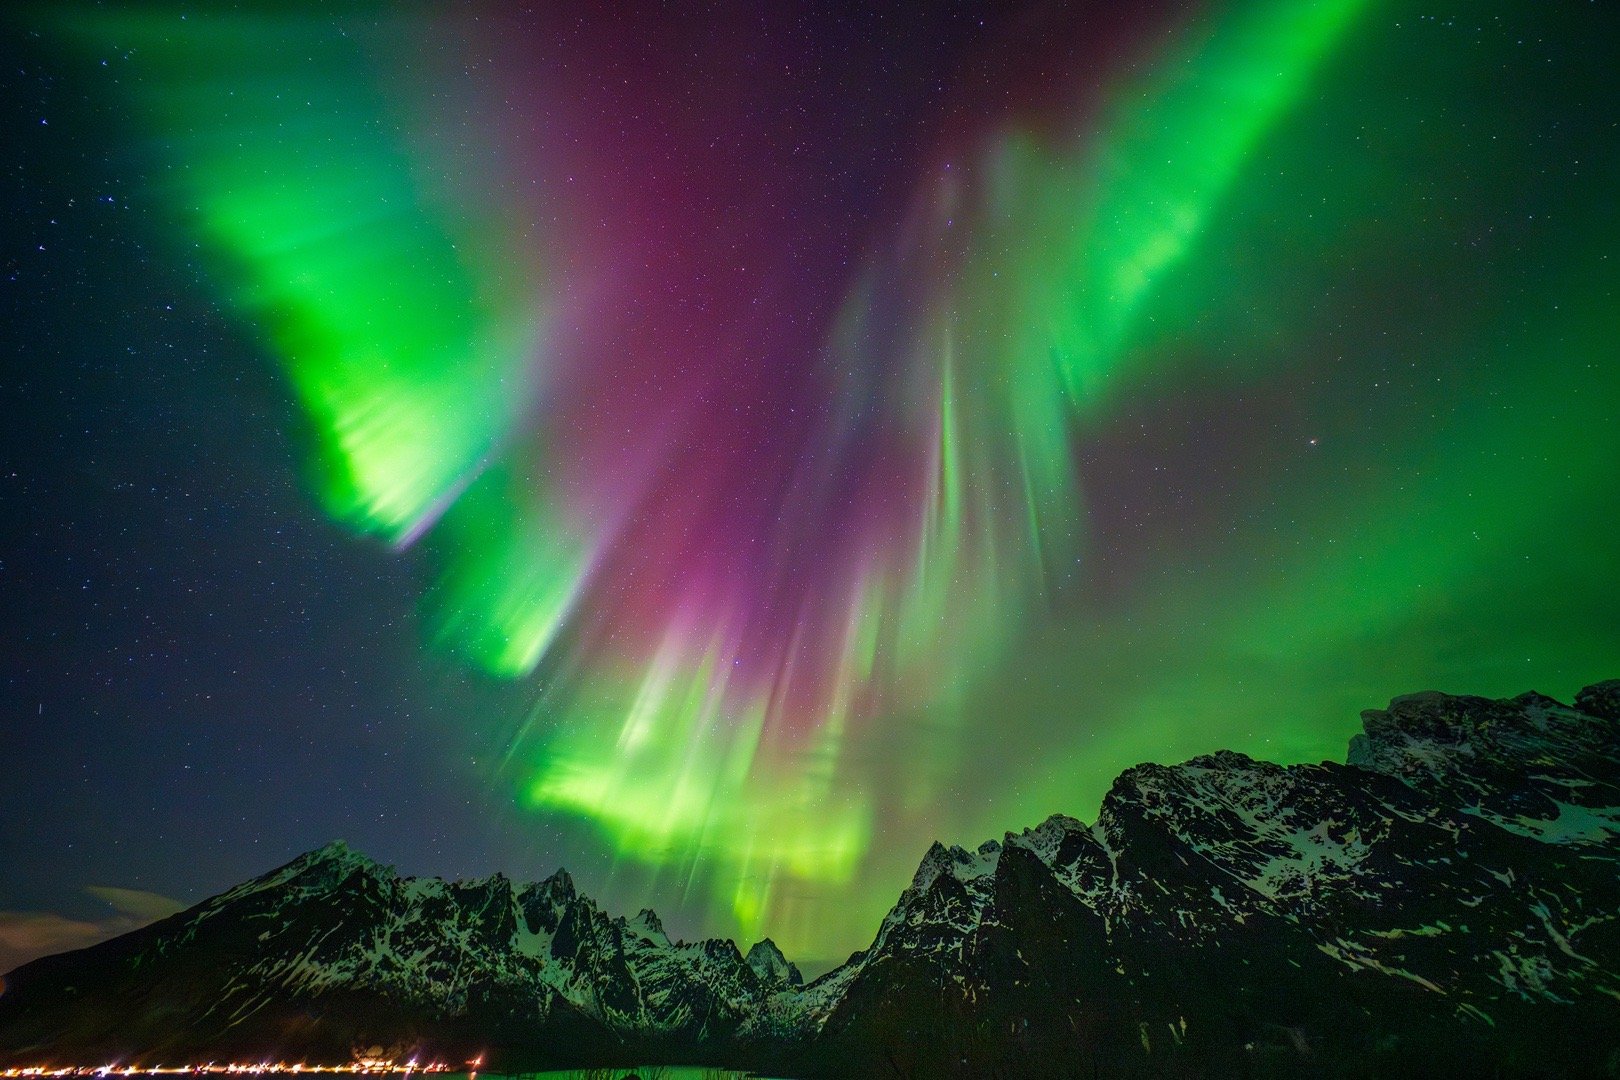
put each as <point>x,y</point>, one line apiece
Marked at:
<point>722,452</point>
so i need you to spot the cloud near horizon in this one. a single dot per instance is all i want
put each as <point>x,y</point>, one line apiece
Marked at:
<point>28,935</point>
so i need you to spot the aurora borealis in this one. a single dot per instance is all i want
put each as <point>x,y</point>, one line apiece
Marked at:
<point>808,434</point>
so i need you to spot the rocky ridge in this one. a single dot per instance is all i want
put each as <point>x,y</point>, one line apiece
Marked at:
<point>1447,900</point>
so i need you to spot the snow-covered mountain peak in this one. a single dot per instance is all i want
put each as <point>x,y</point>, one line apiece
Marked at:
<point>646,924</point>
<point>559,887</point>
<point>337,854</point>
<point>957,861</point>
<point>766,961</point>
<point>1046,838</point>
<point>1530,764</point>
<point>1601,700</point>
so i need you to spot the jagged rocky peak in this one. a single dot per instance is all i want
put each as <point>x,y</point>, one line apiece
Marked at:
<point>484,888</point>
<point>559,887</point>
<point>766,961</point>
<point>338,852</point>
<point>1428,729</point>
<point>1222,779</point>
<point>1428,719</point>
<point>1601,700</point>
<point>331,864</point>
<point>1227,761</point>
<point>723,950</point>
<point>1067,847</point>
<point>647,924</point>
<point>1530,764</point>
<point>957,861</point>
<point>1045,838</point>
<point>1224,769</point>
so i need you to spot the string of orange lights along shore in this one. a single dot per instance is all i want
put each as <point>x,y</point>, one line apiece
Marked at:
<point>365,1066</point>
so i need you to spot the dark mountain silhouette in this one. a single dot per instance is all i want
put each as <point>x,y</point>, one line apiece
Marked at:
<point>1447,902</point>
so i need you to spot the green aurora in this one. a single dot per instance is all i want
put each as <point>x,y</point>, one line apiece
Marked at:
<point>1275,376</point>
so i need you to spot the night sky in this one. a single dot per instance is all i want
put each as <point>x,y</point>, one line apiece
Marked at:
<point>721,453</point>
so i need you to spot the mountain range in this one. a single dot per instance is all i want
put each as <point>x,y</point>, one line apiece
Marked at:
<point>1446,902</point>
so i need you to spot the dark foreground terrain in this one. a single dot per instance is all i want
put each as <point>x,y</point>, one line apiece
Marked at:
<point>1446,903</point>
